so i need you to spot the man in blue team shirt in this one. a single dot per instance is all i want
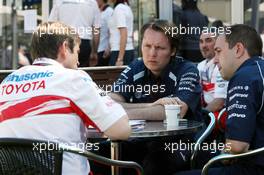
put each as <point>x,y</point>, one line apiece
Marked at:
<point>159,78</point>
<point>147,84</point>
<point>238,57</point>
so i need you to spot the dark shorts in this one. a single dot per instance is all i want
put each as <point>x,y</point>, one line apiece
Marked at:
<point>102,61</point>
<point>128,57</point>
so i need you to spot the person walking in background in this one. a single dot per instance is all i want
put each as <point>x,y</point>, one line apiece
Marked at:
<point>104,47</point>
<point>192,18</point>
<point>22,58</point>
<point>84,16</point>
<point>121,33</point>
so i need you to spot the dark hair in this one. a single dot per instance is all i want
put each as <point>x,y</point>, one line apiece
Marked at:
<point>165,27</point>
<point>105,1</point>
<point>49,36</point>
<point>121,1</point>
<point>189,4</point>
<point>217,24</point>
<point>246,35</point>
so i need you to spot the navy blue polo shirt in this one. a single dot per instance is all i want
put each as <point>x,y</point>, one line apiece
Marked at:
<point>180,78</point>
<point>245,106</point>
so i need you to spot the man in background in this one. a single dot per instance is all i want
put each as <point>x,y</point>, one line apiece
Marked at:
<point>84,17</point>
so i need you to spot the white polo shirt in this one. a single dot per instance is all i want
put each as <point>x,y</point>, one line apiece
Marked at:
<point>104,30</point>
<point>80,14</point>
<point>211,80</point>
<point>53,103</point>
<point>122,17</point>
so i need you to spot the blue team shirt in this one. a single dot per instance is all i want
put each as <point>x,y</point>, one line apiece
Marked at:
<point>180,78</point>
<point>245,98</point>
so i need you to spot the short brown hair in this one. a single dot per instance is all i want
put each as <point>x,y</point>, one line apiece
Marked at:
<point>165,27</point>
<point>49,36</point>
<point>246,35</point>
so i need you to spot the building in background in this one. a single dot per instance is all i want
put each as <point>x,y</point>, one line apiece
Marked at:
<point>229,11</point>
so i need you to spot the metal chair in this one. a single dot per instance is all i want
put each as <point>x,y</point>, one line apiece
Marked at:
<point>202,138</point>
<point>36,157</point>
<point>228,157</point>
<point>220,115</point>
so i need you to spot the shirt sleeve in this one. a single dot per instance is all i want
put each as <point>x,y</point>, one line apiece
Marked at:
<point>220,86</point>
<point>93,104</point>
<point>241,109</point>
<point>120,17</point>
<point>124,84</point>
<point>189,89</point>
<point>97,17</point>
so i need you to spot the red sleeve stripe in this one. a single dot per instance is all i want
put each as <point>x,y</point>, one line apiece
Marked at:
<point>67,110</point>
<point>41,105</point>
<point>208,87</point>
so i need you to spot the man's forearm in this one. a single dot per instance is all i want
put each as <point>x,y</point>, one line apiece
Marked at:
<point>135,105</point>
<point>216,105</point>
<point>155,112</point>
<point>236,147</point>
<point>95,40</point>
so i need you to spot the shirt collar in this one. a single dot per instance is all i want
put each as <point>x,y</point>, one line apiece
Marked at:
<point>46,61</point>
<point>164,73</point>
<point>250,61</point>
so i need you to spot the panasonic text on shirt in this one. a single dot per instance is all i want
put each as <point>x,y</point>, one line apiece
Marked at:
<point>27,76</point>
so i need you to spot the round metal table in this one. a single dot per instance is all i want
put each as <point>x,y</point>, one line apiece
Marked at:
<point>156,129</point>
<point>159,129</point>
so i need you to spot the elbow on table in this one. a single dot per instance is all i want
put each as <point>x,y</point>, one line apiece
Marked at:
<point>119,130</point>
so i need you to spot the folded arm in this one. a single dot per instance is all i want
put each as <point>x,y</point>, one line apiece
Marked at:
<point>148,111</point>
<point>216,105</point>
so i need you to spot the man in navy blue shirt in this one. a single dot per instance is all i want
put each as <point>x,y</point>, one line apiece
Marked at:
<point>147,84</point>
<point>238,57</point>
<point>158,78</point>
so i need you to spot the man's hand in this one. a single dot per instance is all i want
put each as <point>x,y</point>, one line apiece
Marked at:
<point>234,147</point>
<point>173,100</point>
<point>107,53</point>
<point>93,59</point>
<point>229,161</point>
<point>119,62</point>
<point>167,101</point>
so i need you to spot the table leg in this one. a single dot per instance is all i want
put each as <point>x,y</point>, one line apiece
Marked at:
<point>115,156</point>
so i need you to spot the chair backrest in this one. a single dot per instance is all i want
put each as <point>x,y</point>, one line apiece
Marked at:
<point>203,136</point>
<point>23,156</point>
<point>220,118</point>
<point>229,157</point>
<point>36,157</point>
<point>104,160</point>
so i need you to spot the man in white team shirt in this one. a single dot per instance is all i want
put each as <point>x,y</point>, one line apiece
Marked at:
<point>51,100</point>
<point>214,87</point>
